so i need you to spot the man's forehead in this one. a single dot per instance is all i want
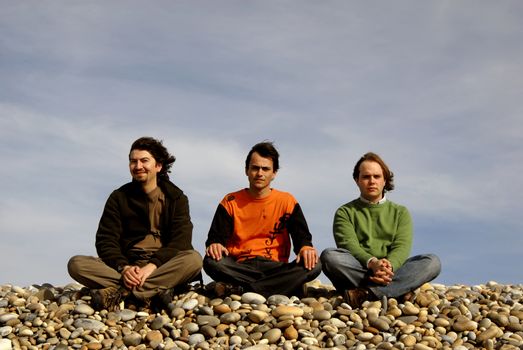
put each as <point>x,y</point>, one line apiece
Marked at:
<point>370,167</point>
<point>139,154</point>
<point>258,160</point>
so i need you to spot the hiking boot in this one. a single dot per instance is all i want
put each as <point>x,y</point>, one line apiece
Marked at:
<point>409,296</point>
<point>355,297</point>
<point>107,298</point>
<point>163,300</point>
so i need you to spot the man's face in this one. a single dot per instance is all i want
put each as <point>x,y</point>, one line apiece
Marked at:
<point>143,166</point>
<point>260,172</point>
<point>371,181</point>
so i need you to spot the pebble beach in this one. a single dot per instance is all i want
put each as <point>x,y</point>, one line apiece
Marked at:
<point>459,317</point>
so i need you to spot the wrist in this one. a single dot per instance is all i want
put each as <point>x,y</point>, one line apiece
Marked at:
<point>122,268</point>
<point>370,261</point>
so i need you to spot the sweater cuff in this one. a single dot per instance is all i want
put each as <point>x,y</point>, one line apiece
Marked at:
<point>370,259</point>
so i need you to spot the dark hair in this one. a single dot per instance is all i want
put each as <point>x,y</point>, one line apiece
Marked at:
<point>267,150</point>
<point>387,174</point>
<point>159,153</point>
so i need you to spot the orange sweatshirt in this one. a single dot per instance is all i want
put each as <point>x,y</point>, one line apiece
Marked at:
<point>250,227</point>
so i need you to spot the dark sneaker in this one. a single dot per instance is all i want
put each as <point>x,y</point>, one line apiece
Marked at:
<point>356,297</point>
<point>107,298</point>
<point>222,289</point>
<point>138,304</point>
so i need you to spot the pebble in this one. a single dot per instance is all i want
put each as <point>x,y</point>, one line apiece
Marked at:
<point>87,323</point>
<point>272,335</point>
<point>5,344</point>
<point>253,298</point>
<point>190,304</point>
<point>132,339</point>
<point>455,317</point>
<point>127,315</point>
<point>278,299</point>
<point>196,338</point>
<point>84,309</point>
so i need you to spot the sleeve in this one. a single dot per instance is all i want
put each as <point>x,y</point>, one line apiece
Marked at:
<point>299,230</point>
<point>108,235</point>
<point>402,244</point>
<point>221,227</point>
<point>345,236</point>
<point>180,237</point>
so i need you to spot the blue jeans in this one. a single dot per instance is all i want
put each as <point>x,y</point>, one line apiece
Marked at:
<point>345,272</point>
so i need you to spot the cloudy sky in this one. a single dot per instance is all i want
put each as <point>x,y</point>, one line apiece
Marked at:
<point>435,87</point>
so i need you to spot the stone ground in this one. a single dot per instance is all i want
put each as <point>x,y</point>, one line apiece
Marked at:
<point>457,317</point>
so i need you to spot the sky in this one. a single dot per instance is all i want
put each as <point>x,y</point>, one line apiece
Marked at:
<point>434,87</point>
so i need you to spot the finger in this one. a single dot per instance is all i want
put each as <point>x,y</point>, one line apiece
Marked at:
<point>311,260</point>
<point>217,253</point>
<point>133,279</point>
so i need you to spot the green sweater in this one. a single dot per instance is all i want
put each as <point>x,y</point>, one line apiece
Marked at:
<point>374,230</point>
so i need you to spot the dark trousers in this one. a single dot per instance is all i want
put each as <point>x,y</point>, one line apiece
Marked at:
<point>261,275</point>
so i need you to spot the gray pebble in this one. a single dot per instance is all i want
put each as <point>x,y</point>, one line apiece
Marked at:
<point>190,304</point>
<point>253,298</point>
<point>278,299</point>
<point>132,339</point>
<point>127,315</point>
<point>83,309</point>
<point>196,338</point>
<point>87,323</point>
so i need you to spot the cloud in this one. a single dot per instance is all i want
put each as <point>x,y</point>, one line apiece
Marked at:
<point>433,87</point>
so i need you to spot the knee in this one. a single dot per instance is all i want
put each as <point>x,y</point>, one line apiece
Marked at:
<point>434,264</point>
<point>73,265</point>
<point>328,257</point>
<point>210,264</point>
<point>193,260</point>
<point>316,270</point>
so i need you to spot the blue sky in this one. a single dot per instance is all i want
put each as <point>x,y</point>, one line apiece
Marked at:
<point>434,87</point>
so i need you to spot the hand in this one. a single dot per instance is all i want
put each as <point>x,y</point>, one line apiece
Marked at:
<point>216,251</point>
<point>146,271</point>
<point>381,271</point>
<point>135,276</point>
<point>131,276</point>
<point>309,257</point>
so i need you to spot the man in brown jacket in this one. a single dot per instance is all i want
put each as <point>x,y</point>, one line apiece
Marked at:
<point>144,236</point>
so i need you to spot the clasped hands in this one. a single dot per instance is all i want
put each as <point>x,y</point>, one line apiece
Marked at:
<point>135,276</point>
<point>381,271</point>
<point>309,256</point>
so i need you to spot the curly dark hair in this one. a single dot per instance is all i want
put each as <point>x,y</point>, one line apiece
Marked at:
<point>159,153</point>
<point>387,174</point>
<point>265,149</point>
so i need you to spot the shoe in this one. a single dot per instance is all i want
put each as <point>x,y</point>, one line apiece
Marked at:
<point>409,296</point>
<point>162,300</point>
<point>222,289</point>
<point>132,302</point>
<point>355,297</point>
<point>107,298</point>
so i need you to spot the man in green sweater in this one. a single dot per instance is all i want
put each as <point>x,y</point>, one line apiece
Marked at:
<point>374,237</point>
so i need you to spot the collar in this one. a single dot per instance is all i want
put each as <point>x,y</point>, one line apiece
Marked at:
<point>381,201</point>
